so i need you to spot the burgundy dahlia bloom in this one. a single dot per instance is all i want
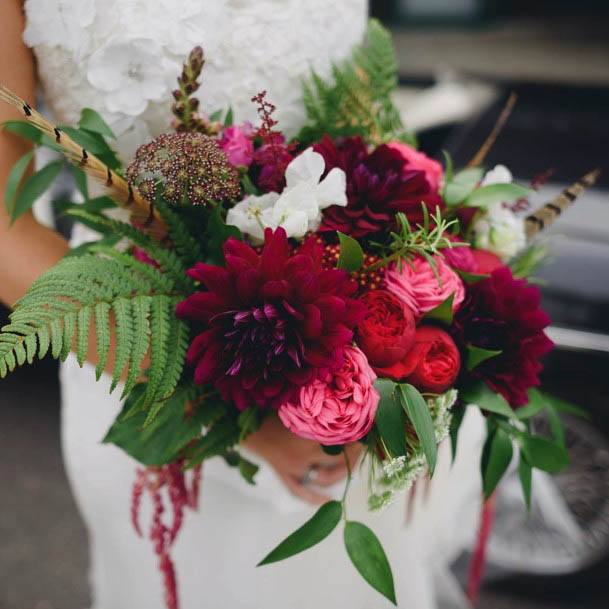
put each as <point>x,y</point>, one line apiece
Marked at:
<point>379,184</point>
<point>270,321</point>
<point>503,313</point>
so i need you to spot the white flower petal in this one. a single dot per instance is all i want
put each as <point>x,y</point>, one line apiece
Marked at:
<point>499,174</point>
<point>332,190</point>
<point>308,166</point>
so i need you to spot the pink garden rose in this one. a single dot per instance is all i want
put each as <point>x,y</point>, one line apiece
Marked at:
<point>338,408</point>
<point>418,286</point>
<point>237,144</point>
<point>460,257</point>
<point>419,161</point>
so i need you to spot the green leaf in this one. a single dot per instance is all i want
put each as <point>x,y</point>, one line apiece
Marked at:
<point>217,233</point>
<point>334,450</point>
<point>14,179</point>
<point>462,184</point>
<point>368,557</point>
<point>351,255</point>
<point>498,459</point>
<point>95,144</point>
<point>161,441</point>
<point>249,421</point>
<point>23,129</point>
<point>418,412</point>
<point>229,118</point>
<point>92,121</point>
<point>223,434</point>
<point>34,187</point>
<point>443,312</point>
<point>525,474</point>
<point>534,406</point>
<point>448,170</point>
<point>248,470</point>
<point>486,399</point>
<point>80,179</point>
<point>389,418</point>
<point>477,355</point>
<point>215,116</point>
<point>544,454</point>
<point>566,407</point>
<point>455,425</point>
<point>471,278</point>
<point>496,193</point>
<point>316,529</point>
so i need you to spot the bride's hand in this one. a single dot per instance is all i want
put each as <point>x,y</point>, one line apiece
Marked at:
<point>293,457</point>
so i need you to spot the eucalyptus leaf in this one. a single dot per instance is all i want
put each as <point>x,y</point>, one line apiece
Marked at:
<point>418,412</point>
<point>316,529</point>
<point>462,184</point>
<point>34,187</point>
<point>389,418</point>
<point>477,355</point>
<point>498,460</point>
<point>544,454</point>
<point>369,558</point>
<point>443,312</point>
<point>496,193</point>
<point>351,256</point>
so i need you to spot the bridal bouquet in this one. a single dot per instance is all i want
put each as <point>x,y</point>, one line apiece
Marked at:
<point>342,281</point>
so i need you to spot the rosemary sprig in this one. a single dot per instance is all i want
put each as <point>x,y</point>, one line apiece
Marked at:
<point>426,240</point>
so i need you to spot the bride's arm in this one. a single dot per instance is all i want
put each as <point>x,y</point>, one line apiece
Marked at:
<point>27,248</point>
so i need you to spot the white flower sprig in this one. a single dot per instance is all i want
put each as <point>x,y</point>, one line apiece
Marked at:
<point>298,208</point>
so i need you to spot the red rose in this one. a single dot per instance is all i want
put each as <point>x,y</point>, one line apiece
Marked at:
<point>431,365</point>
<point>386,334</point>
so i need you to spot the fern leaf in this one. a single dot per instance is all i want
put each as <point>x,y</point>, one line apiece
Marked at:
<point>124,338</point>
<point>141,333</point>
<point>102,335</point>
<point>82,338</point>
<point>160,311</point>
<point>69,326</point>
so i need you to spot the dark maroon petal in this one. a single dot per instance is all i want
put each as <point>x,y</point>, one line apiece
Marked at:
<point>311,325</point>
<point>247,285</point>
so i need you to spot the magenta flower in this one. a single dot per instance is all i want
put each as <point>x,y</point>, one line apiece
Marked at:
<point>236,142</point>
<point>269,321</point>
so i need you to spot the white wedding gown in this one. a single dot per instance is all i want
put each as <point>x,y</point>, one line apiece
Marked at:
<point>121,57</point>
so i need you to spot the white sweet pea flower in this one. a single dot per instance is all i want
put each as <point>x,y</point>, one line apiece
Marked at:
<point>130,73</point>
<point>298,208</point>
<point>499,174</point>
<point>500,230</point>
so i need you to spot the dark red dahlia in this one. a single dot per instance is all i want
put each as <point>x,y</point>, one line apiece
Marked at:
<point>502,313</point>
<point>379,184</point>
<point>270,320</point>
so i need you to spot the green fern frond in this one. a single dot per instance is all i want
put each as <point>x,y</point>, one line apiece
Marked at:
<point>100,290</point>
<point>356,100</point>
<point>167,259</point>
<point>183,242</point>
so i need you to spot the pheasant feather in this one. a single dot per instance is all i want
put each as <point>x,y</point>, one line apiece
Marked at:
<point>120,190</point>
<point>545,215</point>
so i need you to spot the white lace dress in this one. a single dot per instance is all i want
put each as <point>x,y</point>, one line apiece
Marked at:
<point>121,57</point>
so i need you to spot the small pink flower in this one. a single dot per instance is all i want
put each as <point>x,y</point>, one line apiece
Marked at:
<point>237,144</point>
<point>419,161</point>
<point>421,289</point>
<point>338,408</point>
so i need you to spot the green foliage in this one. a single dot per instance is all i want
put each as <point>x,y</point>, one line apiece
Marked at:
<point>351,255</point>
<point>369,558</point>
<point>356,100</point>
<point>418,412</point>
<point>460,185</point>
<point>389,419</point>
<point>101,289</point>
<point>161,441</point>
<point>443,312</point>
<point>497,456</point>
<point>316,529</point>
<point>477,355</point>
<point>493,193</point>
<point>529,260</point>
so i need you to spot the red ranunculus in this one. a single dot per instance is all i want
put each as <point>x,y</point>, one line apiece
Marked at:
<point>431,365</point>
<point>386,335</point>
